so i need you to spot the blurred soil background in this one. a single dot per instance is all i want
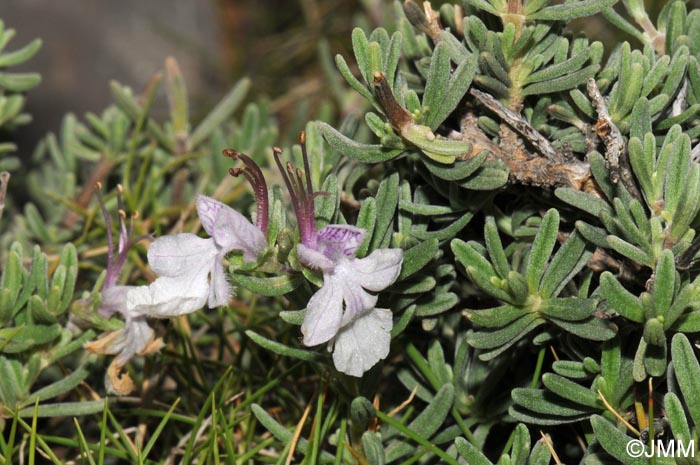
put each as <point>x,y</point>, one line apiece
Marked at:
<point>87,43</point>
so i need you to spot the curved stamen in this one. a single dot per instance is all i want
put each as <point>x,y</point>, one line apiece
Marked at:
<point>110,238</point>
<point>276,151</point>
<point>122,217</point>
<point>255,177</point>
<point>307,204</point>
<point>307,170</point>
<point>125,242</point>
<point>301,193</point>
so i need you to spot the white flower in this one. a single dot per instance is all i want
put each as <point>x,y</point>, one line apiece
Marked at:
<point>343,311</point>
<point>360,345</point>
<point>191,274</point>
<point>136,337</point>
<point>190,268</point>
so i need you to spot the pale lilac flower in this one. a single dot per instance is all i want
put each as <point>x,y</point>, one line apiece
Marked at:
<point>190,268</point>
<point>136,337</point>
<point>343,311</point>
<point>359,346</point>
<point>191,273</point>
<point>136,334</point>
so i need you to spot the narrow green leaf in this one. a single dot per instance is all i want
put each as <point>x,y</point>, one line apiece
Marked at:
<point>438,303</point>
<point>583,201</point>
<point>495,248</point>
<point>614,441</point>
<point>489,176</point>
<point>566,67</point>
<point>393,56</point>
<point>571,10</point>
<point>436,82</point>
<point>571,391</point>
<point>447,232</point>
<point>424,209</point>
<point>281,433</point>
<point>664,285</point>
<point>64,409</point>
<point>477,267</point>
<point>677,420</point>
<point>496,317</point>
<point>21,55</point>
<point>223,110</point>
<point>520,450</point>
<point>470,453</point>
<point>457,87</point>
<point>687,370</point>
<point>568,308</point>
<point>373,448</point>
<point>19,82</point>
<point>360,46</point>
<point>367,219</point>
<point>544,402</point>
<point>593,329</point>
<point>570,369</point>
<point>415,258</point>
<point>344,70</point>
<point>159,429</point>
<point>541,249</point>
<point>459,170</point>
<point>570,81</point>
<point>423,426</point>
<point>541,454</point>
<point>269,287</point>
<point>567,262</point>
<point>628,250</point>
<point>59,387</point>
<point>357,151</point>
<point>387,199</point>
<point>282,349</point>
<point>501,337</point>
<point>620,299</point>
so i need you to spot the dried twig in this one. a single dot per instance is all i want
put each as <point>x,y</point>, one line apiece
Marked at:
<point>425,20</point>
<point>525,168</point>
<point>695,153</point>
<point>615,156</point>
<point>616,414</point>
<point>99,173</point>
<point>180,447</point>
<point>297,431</point>
<point>433,20</point>
<point>685,260</point>
<point>680,103</point>
<point>4,180</point>
<point>550,445</point>
<point>523,127</point>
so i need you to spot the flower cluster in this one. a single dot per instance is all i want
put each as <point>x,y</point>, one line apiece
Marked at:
<point>342,312</point>
<point>191,274</point>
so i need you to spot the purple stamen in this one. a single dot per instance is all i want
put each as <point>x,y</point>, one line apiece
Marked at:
<point>254,175</point>
<point>115,263</point>
<point>123,235</point>
<point>305,157</point>
<point>302,196</point>
<point>108,223</point>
